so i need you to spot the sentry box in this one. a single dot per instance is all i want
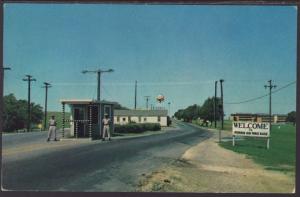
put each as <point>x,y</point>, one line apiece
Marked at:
<point>86,118</point>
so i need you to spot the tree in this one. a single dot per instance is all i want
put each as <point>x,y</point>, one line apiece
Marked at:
<point>291,117</point>
<point>36,113</point>
<point>15,113</point>
<point>188,114</point>
<point>13,116</point>
<point>119,106</point>
<point>169,121</point>
<point>207,109</point>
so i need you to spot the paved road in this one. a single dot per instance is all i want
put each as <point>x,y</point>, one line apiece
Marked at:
<point>95,166</point>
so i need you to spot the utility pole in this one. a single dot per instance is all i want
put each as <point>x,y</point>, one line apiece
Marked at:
<point>222,110</point>
<point>99,71</point>
<point>270,86</point>
<point>47,85</point>
<point>147,101</point>
<point>29,79</point>
<point>135,92</point>
<point>215,104</point>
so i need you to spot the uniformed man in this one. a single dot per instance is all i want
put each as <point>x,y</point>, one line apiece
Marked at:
<point>105,122</point>
<point>52,128</point>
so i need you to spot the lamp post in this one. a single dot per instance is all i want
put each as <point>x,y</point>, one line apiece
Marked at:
<point>99,71</point>
<point>169,105</point>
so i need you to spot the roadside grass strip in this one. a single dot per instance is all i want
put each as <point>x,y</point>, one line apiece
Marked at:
<point>227,125</point>
<point>282,153</point>
<point>58,118</point>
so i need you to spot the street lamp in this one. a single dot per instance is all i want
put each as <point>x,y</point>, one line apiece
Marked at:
<point>99,71</point>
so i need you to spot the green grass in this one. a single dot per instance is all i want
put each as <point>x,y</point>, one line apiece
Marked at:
<point>58,118</point>
<point>227,125</point>
<point>282,153</point>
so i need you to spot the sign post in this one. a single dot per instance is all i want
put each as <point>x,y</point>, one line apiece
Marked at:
<point>251,129</point>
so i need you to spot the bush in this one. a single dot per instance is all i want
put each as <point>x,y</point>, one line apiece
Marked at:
<point>137,128</point>
<point>169,121</point>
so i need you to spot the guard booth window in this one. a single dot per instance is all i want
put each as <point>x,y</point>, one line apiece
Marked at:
<point>107,110</point>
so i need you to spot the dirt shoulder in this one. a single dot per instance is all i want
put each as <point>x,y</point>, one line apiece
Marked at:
<point>207,167</point>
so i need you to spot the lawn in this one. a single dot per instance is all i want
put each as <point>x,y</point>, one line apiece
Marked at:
<point>58,118</point>
<point>282,153</point>
<point>227,124</point>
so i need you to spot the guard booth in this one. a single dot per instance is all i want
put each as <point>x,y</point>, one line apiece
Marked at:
<point>86,118</point>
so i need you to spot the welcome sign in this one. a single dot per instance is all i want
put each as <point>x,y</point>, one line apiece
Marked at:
<point>251,129</point>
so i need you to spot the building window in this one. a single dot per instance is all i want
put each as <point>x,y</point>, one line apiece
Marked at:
<point>158,118</point>
<point>129,118</point>
<point>140,119</point>
<point>124,119</point>
<point>145,119</point>
<point>118,118</point>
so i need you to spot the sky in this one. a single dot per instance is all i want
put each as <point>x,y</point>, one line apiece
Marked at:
<point>178,51</point>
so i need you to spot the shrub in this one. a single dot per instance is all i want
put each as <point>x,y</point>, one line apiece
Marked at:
<point>169,121</point>
<point>137,128</point>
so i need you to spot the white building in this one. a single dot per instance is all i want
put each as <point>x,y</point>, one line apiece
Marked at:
<point>141,116</point>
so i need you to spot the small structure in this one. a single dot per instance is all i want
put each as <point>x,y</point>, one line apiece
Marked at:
<point>259,117</point>
<point>141,116</point>
<point>86,117</point>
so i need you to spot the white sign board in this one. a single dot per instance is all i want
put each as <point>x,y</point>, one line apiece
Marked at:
<point>251,129</point>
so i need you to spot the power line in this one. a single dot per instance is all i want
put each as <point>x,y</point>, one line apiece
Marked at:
<point>260,97</point>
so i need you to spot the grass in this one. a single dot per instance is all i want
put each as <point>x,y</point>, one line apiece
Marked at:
<point>58,118</point>
<point>282,153</point>
<point>227,125</point>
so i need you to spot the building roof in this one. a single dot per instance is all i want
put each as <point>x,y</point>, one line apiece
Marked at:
<point>257,114</point>
<point>140,112</point>
<point>84,101</point>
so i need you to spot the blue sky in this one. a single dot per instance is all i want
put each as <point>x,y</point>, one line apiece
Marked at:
<point>174,50</point>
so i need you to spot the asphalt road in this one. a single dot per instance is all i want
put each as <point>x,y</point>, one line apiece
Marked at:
<point>92,166</point>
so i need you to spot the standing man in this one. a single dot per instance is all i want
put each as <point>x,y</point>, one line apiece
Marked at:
<point>52,128</point>
<point>106,122</point>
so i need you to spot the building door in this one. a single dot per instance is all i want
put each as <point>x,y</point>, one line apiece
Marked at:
<point>79,115</point>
